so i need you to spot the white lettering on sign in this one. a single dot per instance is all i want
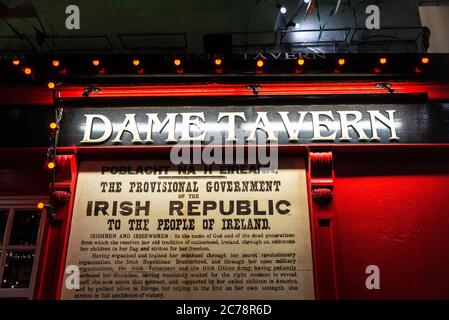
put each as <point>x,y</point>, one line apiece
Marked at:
<point>319,126</point>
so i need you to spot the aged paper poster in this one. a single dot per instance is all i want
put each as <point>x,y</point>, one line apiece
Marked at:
<point>152,230</point>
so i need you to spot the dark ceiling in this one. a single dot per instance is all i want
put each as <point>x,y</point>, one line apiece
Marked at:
<point>154,26</point>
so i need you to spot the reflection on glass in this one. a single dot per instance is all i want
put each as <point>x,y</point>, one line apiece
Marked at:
<point>3,219</point>
<point>25,227</point>
<point>17,272</point>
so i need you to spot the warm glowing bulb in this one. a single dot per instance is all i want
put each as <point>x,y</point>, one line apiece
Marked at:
<point>40,205</point>
<point>341,61</point>
<point>16,62</point>
<point>260,63</point>
<point>27,71</point>
<point>177,62</point>
<point>301,62</point>
<point>425,60</point>
<point>96,62</point>
<point>51,165</point>
<point>218,62</point>
<point>51,85</point>
<point>55,63</point>
<point>383,60</point>
<point>53,125</point>
<point>136,62</point>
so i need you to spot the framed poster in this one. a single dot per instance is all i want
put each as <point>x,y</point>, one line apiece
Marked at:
<point>153,230</point>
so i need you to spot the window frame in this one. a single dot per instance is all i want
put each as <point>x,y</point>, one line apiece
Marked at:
<point>14,204</point>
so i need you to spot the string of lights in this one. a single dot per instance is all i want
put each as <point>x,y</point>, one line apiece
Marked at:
<point>54,71</point>
<point>50,163</point>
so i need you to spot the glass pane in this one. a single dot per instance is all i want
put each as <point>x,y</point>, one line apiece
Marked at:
<point>3,219</point>
<point>17,272</point>
<point>25,227</point>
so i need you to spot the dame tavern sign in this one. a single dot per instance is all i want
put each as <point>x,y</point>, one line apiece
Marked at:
<point>143,127</point>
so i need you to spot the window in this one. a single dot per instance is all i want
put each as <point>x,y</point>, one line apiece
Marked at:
<point>21,226</point>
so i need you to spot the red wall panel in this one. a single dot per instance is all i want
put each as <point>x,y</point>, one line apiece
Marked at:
<point>23,173</point>
<point>392,210</point>
<point>37,95</point>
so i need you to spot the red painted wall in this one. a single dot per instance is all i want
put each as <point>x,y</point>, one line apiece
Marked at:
<point>392,210</point>
<point>23,173</point>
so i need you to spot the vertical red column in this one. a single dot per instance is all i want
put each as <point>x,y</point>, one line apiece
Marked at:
<point>321,183</point>
<point>56,232</point>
